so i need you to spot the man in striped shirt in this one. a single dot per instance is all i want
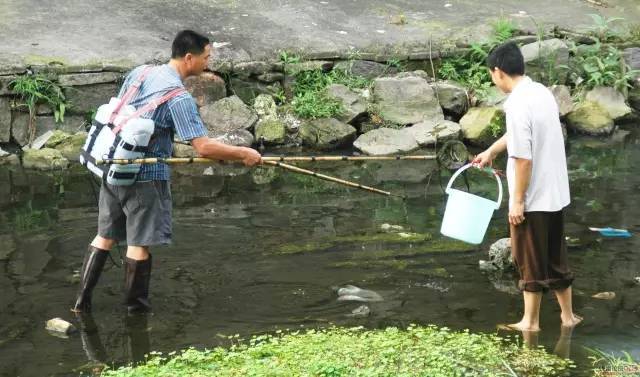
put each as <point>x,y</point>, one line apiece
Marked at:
<point>140,214</point>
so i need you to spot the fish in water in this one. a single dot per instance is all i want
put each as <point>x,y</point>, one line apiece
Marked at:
<point>353,293</point>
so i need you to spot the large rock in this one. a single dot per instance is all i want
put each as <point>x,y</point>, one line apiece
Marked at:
<point>453,97</point>
<point>252,68</point>
<point>493,97</point>
<point>5,120</point>
<point>225,55</point>
<point>483,125</point>
<point>406,100</point>
<point>44,159</point>
<point>226,115</point>
<point>632,57</point>
<point>428,133</point>
<point>265,106</point>
<point>248,90</point>
<point>590,118</point>
<point>71,146</point>
<point>206,88</point>
<point>271,130</point>
<point>20,125</point>
<point>500,254</point>
<point>386,141</point>
<point>238,138</point>
<point>326,133</point>
<point>562,94</point>
<point>86,98</point>
<point>355,107</point>
<point>611,100</point>
<point>365,68</point>
<point>546,60</point>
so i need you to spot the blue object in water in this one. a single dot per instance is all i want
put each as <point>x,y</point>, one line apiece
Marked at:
<point>612,232</point>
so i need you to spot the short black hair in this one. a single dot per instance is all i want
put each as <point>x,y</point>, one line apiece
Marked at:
<point>508,58</point>
<point>188,41</point>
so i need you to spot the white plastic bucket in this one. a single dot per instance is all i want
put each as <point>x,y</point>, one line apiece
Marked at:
<point>467,216</point>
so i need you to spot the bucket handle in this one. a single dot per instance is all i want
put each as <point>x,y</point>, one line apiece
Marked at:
<point>490,170</point>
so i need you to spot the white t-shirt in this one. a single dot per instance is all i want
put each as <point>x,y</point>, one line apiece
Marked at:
<point>534,133</point>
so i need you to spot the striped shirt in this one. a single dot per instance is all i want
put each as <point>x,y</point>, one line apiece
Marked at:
<point>177,116</point>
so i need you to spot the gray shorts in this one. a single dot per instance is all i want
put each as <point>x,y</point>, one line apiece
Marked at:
<point>139,213</point>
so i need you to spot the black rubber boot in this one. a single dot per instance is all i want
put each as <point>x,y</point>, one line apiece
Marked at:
<point>137,274</point>
<point>91,269</point>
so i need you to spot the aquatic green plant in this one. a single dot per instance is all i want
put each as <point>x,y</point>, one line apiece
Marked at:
<point>416,351</point>
<point>610,364</point>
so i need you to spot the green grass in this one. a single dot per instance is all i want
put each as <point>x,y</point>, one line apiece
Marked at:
<point>310,98</point>
<point>335,352</point>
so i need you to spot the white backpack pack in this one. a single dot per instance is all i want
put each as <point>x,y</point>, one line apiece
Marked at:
<point>118,132</point>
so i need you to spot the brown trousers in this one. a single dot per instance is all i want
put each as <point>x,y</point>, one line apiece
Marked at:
<point>539,252</point>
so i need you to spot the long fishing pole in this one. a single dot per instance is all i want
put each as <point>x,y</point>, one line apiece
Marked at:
<point>265,160</point>
<point>191,160</point>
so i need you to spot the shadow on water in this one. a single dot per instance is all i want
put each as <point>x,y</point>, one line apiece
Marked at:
<point>256,252</point>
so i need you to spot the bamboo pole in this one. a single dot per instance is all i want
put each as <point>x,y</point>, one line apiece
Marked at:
<point>331,179</point>
<point>191,160</point>
<point>274,161</point>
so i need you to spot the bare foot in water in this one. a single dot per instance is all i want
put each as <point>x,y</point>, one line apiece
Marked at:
<point>572,321</point>
<point>520,326</point>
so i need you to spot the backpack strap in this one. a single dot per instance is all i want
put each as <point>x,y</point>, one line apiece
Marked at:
<point>128,95</point>
<point>152,105</point>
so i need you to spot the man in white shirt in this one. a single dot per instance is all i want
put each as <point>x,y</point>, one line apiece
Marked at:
<point>538,186</point>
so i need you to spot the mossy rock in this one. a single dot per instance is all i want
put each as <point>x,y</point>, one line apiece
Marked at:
<point>71,146</point>
<point>271,130</point>
<point>57,138</point>
<point>482,126</point>
<point>44,159</point>
<point>590,118</point>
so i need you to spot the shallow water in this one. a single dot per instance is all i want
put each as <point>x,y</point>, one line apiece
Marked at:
<point>250,258</point>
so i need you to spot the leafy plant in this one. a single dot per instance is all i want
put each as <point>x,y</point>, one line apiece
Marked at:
<point>289,58</point>
<point>423,351</point>
<point>602,27</point>
<point>604,364</point>
<point>470,69</point>
<point>599,65</point>
<point>34,90</point>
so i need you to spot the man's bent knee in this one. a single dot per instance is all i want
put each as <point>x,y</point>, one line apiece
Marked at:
<point>138,252</point>
<point>103,243</point>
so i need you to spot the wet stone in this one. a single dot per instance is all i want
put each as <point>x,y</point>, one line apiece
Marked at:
<point>60,326</point>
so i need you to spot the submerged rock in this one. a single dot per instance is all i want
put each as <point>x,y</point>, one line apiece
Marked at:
<point>605,295</point>
<point>360,312</point>
<point>60,326</point>
<point>353,293</point>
